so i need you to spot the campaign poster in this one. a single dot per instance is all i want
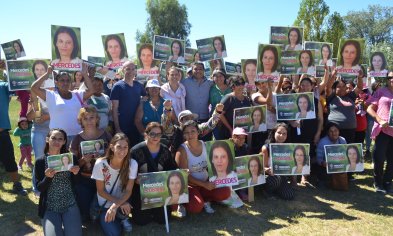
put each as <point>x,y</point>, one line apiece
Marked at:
<point>61,162</point>
<point>378,65</point>
<point>211,48</point>
<point>163,188</point>
<point>290,158</point>
<point>95,147</point>
<point>221,165</point>
<point>147,67</point>
<point>216,63</point>
<point>342,158</point>
<point>268,62</point>
<point>350,55</point>
<point>191,55</point>
<point>251,119</point>
<point>168,49</point>
<point>323,52</point>
<point>295,106</point>
<point>233,68</point>
<point>319,71</point>
<point>13,49</point>
<point>249,69</point>
<point>391,114</point>
<point>250,171</point>
<point>22,74</point>
<point>66,48</point>
<point>290,37</point>
<point>115,50</point>
<point>96,60</point>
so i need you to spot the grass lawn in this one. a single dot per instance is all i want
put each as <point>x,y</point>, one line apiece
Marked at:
<point>360,211</point>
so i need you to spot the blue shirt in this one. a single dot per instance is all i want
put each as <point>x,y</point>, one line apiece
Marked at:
<point>4,106</point>
<point>197,96</point>
<point>150,114</point>
<point>321,147</point>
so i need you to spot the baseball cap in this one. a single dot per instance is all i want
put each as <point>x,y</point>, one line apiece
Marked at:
<point>187,113</point>
<point>239,131</point>
<point>153,83</point>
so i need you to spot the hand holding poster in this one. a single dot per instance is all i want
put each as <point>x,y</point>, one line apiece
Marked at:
<point>251,119</point>
<point>62,162</point>
<point>295,106</point>
<point>13,50</point>
<point>95,147</point>
<point>163,188</point>
<point>291,37</point>
<point>344,158</point>
<point>66,49</point>
<point>168,49</point>
<point>250,171</point>
<point>115,50</point>
<point>221,163</point>
<point>269,57</point>
<point>290,158</point>
<point>211,48</point>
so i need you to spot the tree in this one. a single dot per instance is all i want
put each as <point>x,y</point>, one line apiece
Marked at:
<point>375,24</point>
<point>311,17</point>
<point>166,18</point>
<point>334,31</point>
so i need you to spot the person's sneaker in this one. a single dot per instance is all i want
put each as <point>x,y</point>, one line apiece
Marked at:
<point>208,208</point>
<point>181,211</point>
<point>18,189</point>
<point>20,168</point>
<point>379,189</point>
<point>127,226</point>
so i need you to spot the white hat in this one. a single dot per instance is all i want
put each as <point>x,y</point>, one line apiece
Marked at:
<point>187,113</point>
<point>153,83</point>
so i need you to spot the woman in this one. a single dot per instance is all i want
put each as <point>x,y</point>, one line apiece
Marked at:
<point>304,107</point>
<point>255,171</point>
<point>269,62</point>
<point>350,54</point>
<point>115,175</point>
<point>307,63</point>
<point>99,149</point>
<point>66,165</point>
<point>66,46</point>
<point>378,65</point>
<point>148,68</point>
<point>63,102</point>
<point>192,155</point>
<point>115,51</point>
<point>176,186</point>
<point>326,54</point>
<point>250,74</point>
<point>274,183</point>
<point>88,119</point>
<point>294,40</point>
<point>78,80</point>
<point>151,156</point>
<point>174,90</point>
<point>102,103</point>
<point>219,48</point>
<point>19,50</point>
<point>382,133</point>
<point>57,205</point>
<point>221,159</point>
<point>301,161</point>
<point>258,121</point>
<point>176,52</point>
<point>354,158</point>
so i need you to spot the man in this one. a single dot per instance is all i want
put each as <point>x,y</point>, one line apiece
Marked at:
<point>126,96</point>
<point>7,156</point>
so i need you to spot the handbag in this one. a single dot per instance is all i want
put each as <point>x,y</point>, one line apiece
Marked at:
<point>95,208</point>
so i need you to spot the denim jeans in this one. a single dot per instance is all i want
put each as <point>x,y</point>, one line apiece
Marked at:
<point>110,228</point>
<point>54,222</point>
<point>38,141</point>
<point>85,191</point>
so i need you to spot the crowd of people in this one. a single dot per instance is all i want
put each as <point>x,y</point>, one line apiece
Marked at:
<point>164,126</point>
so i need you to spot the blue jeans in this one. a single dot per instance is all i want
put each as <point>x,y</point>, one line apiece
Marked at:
<point>38,141</point>
<point>110,228</point>
<point>53,223</point>
<point>370,124</point>
<point>85,191</point>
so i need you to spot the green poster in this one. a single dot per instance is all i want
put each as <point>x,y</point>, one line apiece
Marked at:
<point>168,49</point>
<point>344,158</point>
<point>290,62</point>
<point>216,63</point>
<point>290,37</point>
<point>319,71</point>
<point>290,158</point>
<point>190,54</point>
<point>221,167</point>
<point>163,188</point>
<point>211,48</point>
<point>96,60</point>
<point>13,50</point>
<point>350,55</point>
<point>391,114</point>
<point>295,106</point>
<point>268,62</point>
<point>251,119</point>
<point>147,67</point>
<point>95,147</point>
<point>323,52</point>
<point>250,171</point>
<point>62,162</point>
<point>115,50</point>
<point>22,74</point>
<point>233,68</point>
<point>249,69</point>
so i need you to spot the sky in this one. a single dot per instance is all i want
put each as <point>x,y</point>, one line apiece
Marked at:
<point>244,23</point>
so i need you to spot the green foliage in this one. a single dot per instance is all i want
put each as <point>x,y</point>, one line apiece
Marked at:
<point>166,18</point>
<point>335,29</point>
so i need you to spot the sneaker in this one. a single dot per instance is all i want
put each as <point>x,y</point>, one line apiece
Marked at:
<point>208,208</point>
<point>127,226</point>
<point>18,189</point>
<point>379,189</point>
<point>20,168</point>
<point>181,211</point>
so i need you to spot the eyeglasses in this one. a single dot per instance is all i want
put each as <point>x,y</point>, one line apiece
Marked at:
<point>155,135</point>
<point>286,88</point>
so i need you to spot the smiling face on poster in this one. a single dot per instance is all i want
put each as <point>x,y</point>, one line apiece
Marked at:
<point>251,119</point>
<point>147,67</point>
<point>290,37</point>
<point>115,50</point>
<point>295,106</point>
<point>168,49</point>
<point>344,158</point>
<point>95,147</point>
<point>290,158</point>
<point>378,65</point>
<point>249,69</point>
<point>350,55</point>
<point>268,62</point>
<point>250,171</point>
<point>306,63</point>
<point>189,55</point>
<point>323,52</point>
<point>62,162</point>
<point>13,50</point>
<point>211,48</point>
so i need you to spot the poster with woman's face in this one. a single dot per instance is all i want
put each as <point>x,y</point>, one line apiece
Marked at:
<point>216,63</point>
<point>350,56</point>
<point>211,48</point>
<point>378,65</point>
<point>13,49</point>
<point>168,49</point>
<point>249,69</point>
<point>95,147</point>
<point>115,50</point>
<point>323,52</point>
<point>61,162</point>
<point>290,158</point>
<point>66,48</point>
<point>221,163</point>
<point>295,106</point>
<point>96,60</point>
<point>22,73</point>
<point>163,188</point>
<point>191,55</point>
<point>268,62</point>
<point>290,37</point>
<point>147,67</point>
<point>251,119</point>
<point>250,171</point>
<point>391,114</point>
<point>341,158</point>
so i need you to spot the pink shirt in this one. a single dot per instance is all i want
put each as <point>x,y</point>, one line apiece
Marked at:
<point>382,99</point>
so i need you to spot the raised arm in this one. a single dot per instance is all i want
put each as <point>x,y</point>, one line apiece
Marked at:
<point>86,71</point>
<point>36,86</point>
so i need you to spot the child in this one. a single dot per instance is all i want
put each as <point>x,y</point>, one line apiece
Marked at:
<point>239,137</point>
<point>24,132</point>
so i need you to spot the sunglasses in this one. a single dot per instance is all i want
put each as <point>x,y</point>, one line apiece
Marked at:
<point>155,135</point>
<point>286,88</point>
